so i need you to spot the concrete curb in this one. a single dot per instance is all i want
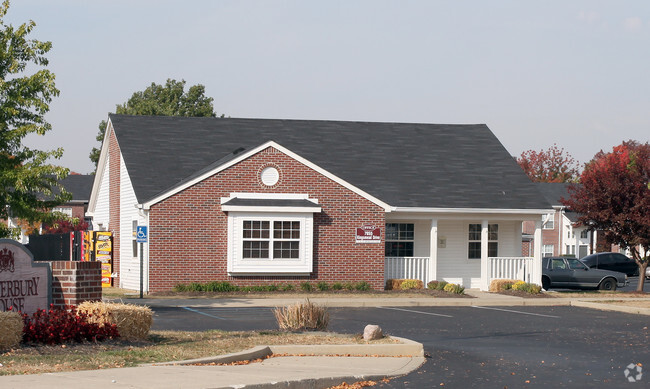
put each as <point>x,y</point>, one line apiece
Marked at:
<point>610,307</point>
<point>406,347</point>
<point>319,383</point>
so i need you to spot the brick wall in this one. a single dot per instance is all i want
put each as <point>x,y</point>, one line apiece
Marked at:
<point>188,231</point>
<point>114,157</point>
<point>75,282</point>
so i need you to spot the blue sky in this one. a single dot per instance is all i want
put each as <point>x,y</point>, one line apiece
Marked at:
<point>575,73</point>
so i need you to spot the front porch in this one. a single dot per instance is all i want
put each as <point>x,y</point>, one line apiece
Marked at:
<point>467,250</point>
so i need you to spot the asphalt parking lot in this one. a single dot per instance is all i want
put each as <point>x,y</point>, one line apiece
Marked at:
<point>482,347</point>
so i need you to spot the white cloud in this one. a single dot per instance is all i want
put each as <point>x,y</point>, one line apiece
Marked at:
<point>633,23</point>
<point>589,16</point>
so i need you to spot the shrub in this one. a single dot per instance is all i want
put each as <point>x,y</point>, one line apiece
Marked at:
<point>454,288</point>
<point>337,286</point>
<point>437,285</point>
<point>527,287</point>
<point>362,285</point>
<point>323,286</point>
<point>220,286</point>
<point>397,284</point>
<point>501,284</point>
<point>273,288</point>
<point>348,286</point>
<point>302,316</point>
<point>411,284</point>
<point>60,325</point>
<point>11,329</point>
<point>132,321</point>
<point>287,287</point>
<point>306,286</point>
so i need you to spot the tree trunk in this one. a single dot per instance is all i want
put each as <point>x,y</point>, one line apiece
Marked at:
<point>642,268</point>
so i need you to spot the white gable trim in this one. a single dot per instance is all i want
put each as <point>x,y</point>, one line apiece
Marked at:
<point>99,172</point>
<point>254,151</point>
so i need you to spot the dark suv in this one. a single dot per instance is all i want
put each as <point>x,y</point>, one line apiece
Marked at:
<point>612,261</point>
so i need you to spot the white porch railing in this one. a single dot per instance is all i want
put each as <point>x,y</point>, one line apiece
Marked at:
<point>407,267</point>
<point>512,268</point>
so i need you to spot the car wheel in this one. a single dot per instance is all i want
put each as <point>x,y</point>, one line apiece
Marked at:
<point>607,284</point>
<point>546,283</point>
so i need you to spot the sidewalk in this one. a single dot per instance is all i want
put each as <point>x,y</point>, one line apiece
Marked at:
<point>287,370</point>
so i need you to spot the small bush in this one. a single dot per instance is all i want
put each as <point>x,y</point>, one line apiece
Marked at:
<point>337,286</point>
<point>437,285</point>
<point>411,284</point>
<point>273,288</point>
<point>362,286</point>
<point>396,284</point>
<point>220,286</point>
<point>60,326</point>
<point>527,287</point>
<point>302,316</point>
<point>348,286</point>
<point>306,287</point>
<point>501,284</point>
<point>11,329</point>
<point>323,286</point>
<point>287,287</point>
<point>454,288</point>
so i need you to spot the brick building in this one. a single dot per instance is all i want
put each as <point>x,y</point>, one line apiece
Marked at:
<point>258,201</point>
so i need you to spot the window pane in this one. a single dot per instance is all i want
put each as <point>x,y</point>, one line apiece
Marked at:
<point>399,249</point>
<point>493,232</point>
<point>400,231</point>
<point>255,249</point>
<point>493,249</point>
<point>474,250</point>
<point>285,249</point>
<point>475,232</point>
<point>391,231</point>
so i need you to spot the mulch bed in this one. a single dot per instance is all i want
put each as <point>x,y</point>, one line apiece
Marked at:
<point>521,293</point>
<point>416,293</point>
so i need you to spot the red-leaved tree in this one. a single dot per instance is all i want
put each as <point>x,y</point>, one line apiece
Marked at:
<point>63,226</point>
<point>615,197</point>
<point>552,165</point>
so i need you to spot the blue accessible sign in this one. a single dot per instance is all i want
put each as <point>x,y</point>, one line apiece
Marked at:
<point>141,234</point>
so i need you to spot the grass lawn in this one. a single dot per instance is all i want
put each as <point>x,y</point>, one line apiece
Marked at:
<point>162,346</point>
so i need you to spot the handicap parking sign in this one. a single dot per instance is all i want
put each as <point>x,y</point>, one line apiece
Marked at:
<point>141,234</point>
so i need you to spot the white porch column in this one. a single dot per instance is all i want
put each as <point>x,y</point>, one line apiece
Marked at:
<point>537,263</point>
<point>485,285</point>
<point>433,251</point>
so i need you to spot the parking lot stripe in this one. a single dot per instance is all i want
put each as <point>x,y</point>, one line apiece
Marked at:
<point>203,313</point>
<point>408,310</point>
<point>523,313</point>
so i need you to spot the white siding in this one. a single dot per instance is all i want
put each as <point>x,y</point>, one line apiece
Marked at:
<point>129,265</point>
<point>101,215</point>
<point>453,264</point>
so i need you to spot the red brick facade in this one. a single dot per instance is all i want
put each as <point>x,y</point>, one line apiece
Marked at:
<point>188,231</point>
<point>114,157</point>
<point>75,282</point>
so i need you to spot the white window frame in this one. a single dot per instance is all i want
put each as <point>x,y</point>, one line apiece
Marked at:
<point>493,231</point>
<point>548,223</point>
<point>64,210</point>
<point>237,265</point>
<point>545,250</point>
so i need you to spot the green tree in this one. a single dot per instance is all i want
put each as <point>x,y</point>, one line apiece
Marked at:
<point>162,100</point>
<point>28,184</point>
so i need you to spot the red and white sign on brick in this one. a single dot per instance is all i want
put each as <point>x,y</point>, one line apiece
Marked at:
<point>368,234</point>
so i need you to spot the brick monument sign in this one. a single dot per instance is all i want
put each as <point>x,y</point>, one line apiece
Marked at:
<point>24,285</point>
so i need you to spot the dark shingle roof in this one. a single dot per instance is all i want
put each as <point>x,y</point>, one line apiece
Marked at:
<point>79,185</point>
<point>406,165</point>
<point>553,192</point>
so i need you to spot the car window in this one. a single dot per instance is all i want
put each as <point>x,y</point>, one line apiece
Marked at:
<point>575,264</point>
<point>558,264</point>
<point>606,259</point>
<point>620,258</point>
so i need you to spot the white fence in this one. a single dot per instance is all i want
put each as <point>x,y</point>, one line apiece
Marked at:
<point>407,267</point>
<point>512,268</point>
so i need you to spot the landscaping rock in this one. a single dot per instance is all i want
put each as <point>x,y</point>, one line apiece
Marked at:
<point>372,332</point>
